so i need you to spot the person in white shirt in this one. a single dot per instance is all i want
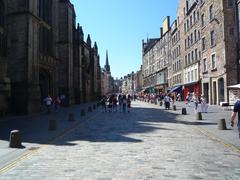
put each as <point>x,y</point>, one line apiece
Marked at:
<point>167,101</point>
<point>48,103</point>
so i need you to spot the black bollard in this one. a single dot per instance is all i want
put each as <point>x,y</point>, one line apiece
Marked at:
<point>222,124</point>
<point>184,111</point>
<point>174,107</point>
<point>15,139</point>
<point>71,117</point>
<point>83,113</point>
<point>94,106</point>
<point>52,125</point>
<point>199,116</point>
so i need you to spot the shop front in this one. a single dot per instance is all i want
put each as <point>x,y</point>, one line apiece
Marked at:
<point>192,87</point>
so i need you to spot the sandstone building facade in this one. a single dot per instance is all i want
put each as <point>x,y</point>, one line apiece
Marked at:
<point>204,49</point>
<point>43,52</point>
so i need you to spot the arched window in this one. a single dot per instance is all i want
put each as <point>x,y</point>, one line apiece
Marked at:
<point>46,40</point>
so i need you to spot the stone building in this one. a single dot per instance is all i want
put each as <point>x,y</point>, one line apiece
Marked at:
<point>138,80</point>
<point>128,84</point>
<point>43,52</point>
<point>190,43</point>
<point>204,56</point>
<point>175,67</point>
<point>220,65</point>
<point>156,54</point>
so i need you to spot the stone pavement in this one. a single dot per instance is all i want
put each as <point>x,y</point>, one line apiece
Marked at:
<point>148,143</point>
<point>34,130</point>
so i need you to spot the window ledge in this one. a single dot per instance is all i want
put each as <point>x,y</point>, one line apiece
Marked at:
<point>214,45</point>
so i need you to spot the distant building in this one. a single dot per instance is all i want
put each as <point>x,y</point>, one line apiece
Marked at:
<point>107,79</point>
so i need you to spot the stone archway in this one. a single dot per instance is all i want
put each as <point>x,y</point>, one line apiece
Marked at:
<point>221,90</point>
<point>45,84</point>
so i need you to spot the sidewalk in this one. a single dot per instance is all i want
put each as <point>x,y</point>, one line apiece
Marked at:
<point>209,124</point>
<point>34,130</point>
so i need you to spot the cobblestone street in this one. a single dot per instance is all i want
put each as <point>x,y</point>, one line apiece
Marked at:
<point>148,143</point>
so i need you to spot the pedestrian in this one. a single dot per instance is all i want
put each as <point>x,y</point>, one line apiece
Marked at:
<point>114,103</point>
<point>236,110</point>
<point>124,103</point>
<point>188,99</point>
<point>179,97</point>
<point>120,99</point>
<point>103,104</point>
<point>57,104</point>
<point>48,103</point>
<point>110,103</point>
<point>128,103</point>
<point>204,105</point>
<point>167,101</point>
<point>195,101</point>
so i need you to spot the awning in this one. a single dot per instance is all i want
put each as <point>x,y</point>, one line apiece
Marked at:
<point>235,86</point>
<point>176,89</point>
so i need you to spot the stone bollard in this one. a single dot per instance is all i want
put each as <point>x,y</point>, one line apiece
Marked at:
<point>52,125</point>
<point>94,106</point>
<point>174,107</point>
<point>222,124</point>
<point>89,109</point>
<point>15,139</point>
<point>71,117</point>
<point>199,116</point>
<point>184,111</point>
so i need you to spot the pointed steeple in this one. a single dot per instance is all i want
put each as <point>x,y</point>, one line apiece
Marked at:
<point>107,66</point>
<point>89,42</point>
<point>95,46</point>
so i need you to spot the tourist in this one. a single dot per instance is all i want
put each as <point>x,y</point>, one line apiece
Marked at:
<point>236,110</point>
<point>167,101</point>
<point>48,103</point>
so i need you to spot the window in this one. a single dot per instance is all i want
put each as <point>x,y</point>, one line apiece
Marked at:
<point>202,20</point>
<point>191,21</point>
<point>194,17</point>
<point>195,35</point>
<point>204,65</point>
<point>186,60</point>
<point>196,54</point>
<point>191,75</point>
<point>192,56</point>
<point>214,66</point>
<point>230,3</point>
<point>189,56</point>
<point>213,41</point>
<point>195,75</point>
<point>203,44</point>
<point>211,12</point>
<point>191,38</point>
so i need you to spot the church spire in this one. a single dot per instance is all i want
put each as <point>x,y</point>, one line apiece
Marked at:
<point>107,66</point>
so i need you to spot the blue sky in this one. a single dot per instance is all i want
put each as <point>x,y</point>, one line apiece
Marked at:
<point>119,27</point>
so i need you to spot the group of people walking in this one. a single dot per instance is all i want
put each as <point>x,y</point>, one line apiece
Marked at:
<point>116,103</point>
<point>53,103</point>
<point>197,100</point>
